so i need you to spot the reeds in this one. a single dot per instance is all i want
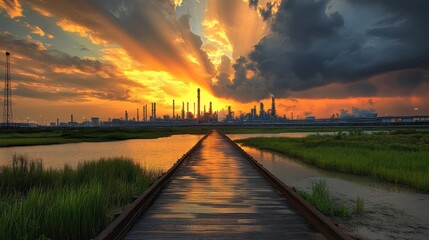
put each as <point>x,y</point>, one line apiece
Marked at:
<point>37,203</point>
<point>321,199</point>
<point>394,157</point>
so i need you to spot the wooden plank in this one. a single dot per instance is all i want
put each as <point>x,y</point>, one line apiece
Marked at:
<point>218,194</point>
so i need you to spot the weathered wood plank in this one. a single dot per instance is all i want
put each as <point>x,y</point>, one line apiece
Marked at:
<point>217,194</point>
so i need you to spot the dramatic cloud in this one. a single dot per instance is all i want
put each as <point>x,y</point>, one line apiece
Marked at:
<point>52,74</point>
<point>149,30</point>
<point>309,47</point>
<point>242,25</point>
<point>35,29</point>
<point>12,7</point>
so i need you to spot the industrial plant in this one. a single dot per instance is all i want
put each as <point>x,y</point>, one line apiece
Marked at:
<point>206,117</point>
<point>261,117</point>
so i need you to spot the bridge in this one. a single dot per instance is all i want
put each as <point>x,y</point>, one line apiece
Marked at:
<point>218,191</point>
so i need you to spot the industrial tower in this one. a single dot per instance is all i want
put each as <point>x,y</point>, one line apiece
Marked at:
<point>198,105</point>
<point>273,106</point>
<point>7,105</point>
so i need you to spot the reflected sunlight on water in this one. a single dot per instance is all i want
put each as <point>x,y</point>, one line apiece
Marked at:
<point>159,153</point>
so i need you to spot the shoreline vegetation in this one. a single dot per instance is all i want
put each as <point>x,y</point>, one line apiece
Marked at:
<point>400,156</point>
<point>38,203</point>
<point>32,137</point>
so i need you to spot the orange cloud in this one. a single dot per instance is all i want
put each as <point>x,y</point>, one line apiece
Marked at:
<point>217,42</point>
<point>35,29</point>
<point>12,7</point>
<point>70,26</point>
<point>42,11</point>
<point>242,24</point>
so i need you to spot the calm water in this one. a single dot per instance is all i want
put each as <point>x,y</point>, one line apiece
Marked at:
<point>393,209</point>
<point>394,212</point>
<point>159,153</point>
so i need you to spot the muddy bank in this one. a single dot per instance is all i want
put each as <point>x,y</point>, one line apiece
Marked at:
<point>381,221</point>
<point>392,211</point>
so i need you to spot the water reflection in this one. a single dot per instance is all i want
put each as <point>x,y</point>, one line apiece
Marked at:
<point>376,194</point>
<point>158,153</point>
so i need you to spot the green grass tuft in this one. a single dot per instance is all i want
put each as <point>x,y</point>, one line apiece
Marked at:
<point>396,157</point>
<point>37,203</point>
<point>360,206</point>
<point>321,199</point>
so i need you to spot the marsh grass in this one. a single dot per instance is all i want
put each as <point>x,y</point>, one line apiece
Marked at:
<point>38,203</point>
<point>321,199</point>
<point>398,157</point>
<point>359,206</point>
<point>28,137</point>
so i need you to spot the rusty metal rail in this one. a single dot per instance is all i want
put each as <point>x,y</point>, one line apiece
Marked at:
<point>310,213</point>
<point>126,219</point>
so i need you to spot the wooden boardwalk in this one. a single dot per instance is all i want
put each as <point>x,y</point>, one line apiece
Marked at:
<point>218,194</point>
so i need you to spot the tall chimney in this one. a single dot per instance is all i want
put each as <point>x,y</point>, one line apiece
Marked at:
<point>198,105</point>
<point>183,110</point>
<point>154,111</point>
<point>126,116</point>
<point>210,109</point>
<point>173,110</point>
<point>261,110</point>
<point>71,118</point>
<point>273,106</point>
<point>187,110</point>
<point>151,115</point>
<point>138,116</point>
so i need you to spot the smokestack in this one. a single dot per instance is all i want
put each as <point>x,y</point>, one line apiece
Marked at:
<point>254,110</point>
<point>273,106</point>
<point>210,109</point>
<point>71,118</point>
<point>198,97</point>
<point>194,109</point>
<point>154,111</point>
<point>138,116</point>
<point>261,110</point>
<point>173,110</point>
<point>183,110</point>
<point>187,110</point>
<point>126,116</point>
<point>204,109</point>
<point>151,115</point>
<point>229,112</point>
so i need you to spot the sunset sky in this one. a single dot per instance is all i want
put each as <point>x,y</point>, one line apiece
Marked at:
<point>317,57</point>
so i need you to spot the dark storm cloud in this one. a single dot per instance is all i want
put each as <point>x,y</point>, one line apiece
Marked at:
<point>309,47</point>
<point>52,74</point>
<point>267,12</point>
<point>253,3</point>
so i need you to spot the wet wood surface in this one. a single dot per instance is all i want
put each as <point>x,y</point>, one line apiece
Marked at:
<point>218,194</point>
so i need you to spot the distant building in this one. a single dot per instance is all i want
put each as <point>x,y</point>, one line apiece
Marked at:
<point>95,121</point>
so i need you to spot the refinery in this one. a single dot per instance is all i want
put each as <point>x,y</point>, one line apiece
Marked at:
<point>261,117</point>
